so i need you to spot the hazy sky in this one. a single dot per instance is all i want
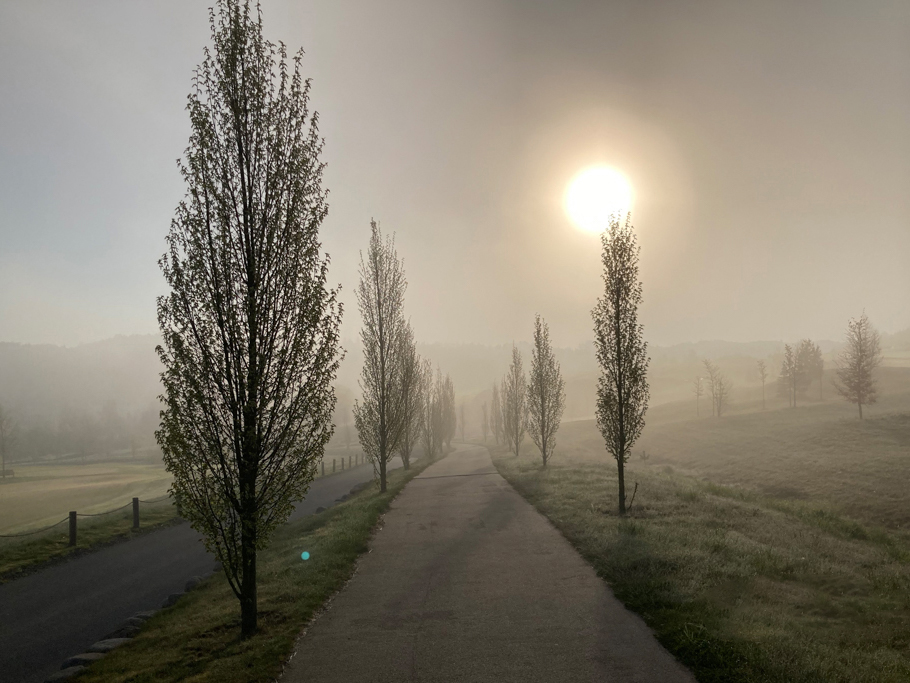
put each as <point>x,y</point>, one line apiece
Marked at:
<point>768,144</point>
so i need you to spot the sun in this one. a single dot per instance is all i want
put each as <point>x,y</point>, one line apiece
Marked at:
<point>594,195</point>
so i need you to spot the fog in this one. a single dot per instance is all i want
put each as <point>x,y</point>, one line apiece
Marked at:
<point>533,455</point>
<point>767,145</point>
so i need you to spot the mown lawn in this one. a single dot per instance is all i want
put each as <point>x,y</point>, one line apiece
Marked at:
<point>198,639</point>
<point>791,570</point>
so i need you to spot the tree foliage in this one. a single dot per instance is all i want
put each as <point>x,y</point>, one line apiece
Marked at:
<point>380,415</point>
<point>546,392</point>
<point>622,353</point>
<point>412,398</point>
<point>763,376</point>
<point>496,415</point>
<point>433,410</point>
<point>719,388</point>
<point>857,363</point>
<point>250,332</point>
<point>514,403</point>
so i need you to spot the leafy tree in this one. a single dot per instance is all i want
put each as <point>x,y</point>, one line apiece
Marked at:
<point>447,408</point>
<point>622,352</point>
<point>806,364</point>
<point>380,417</point>
<point>546,392</point>
<point>496,415</point>
<point>857,363</point>
<point>250,332</point>
<point>412,398</point>
<point>790,372</point>
<point>515,407</point>
<point>432,427</point>
<point>719,388</point>
<point>763,375</point>
<point>813,364</point>
<point>699,389</point>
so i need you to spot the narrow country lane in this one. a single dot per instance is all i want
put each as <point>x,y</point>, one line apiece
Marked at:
<point>466,581</point>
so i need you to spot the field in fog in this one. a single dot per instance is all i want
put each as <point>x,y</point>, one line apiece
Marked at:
<point>40,495</point>
<point>763,546</point>
<point>819,452</point>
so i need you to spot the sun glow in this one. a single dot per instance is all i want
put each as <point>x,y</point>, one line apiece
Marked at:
<point>594,195</point>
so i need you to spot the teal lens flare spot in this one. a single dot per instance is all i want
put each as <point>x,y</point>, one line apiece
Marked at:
<point>304,555</point>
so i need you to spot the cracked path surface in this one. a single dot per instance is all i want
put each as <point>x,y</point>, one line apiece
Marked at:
<point>466,581</point>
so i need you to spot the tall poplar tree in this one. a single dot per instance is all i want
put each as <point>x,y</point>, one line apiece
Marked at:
<point>496,415</point>
<point>250,332</point>
<point>515,403</point>
<point>546,392</point>
<point>380,415</point>
<point>622,352</point>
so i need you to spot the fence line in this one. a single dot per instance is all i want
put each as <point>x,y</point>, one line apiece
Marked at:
<point>101,514</point>
<point>73,515</point>
<point>36,531</point>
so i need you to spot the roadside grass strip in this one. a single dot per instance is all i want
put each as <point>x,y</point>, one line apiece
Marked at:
<point>738,586</point>
<point>198,640</point>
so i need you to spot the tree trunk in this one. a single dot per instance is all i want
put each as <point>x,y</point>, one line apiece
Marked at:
<point>248,607</point>
<point>622,487</point>
<point>382,471</point>
<point>860,404</point>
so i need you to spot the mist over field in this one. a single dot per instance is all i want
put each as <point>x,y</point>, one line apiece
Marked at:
<point>101,398</point>
<point>455,341</point>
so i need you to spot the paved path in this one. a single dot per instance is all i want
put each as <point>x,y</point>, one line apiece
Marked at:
<point>467,582</point>
<point>60,611</point>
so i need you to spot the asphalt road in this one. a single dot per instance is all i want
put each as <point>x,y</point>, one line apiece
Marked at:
<point>62,610</point>
<point>466,581</point>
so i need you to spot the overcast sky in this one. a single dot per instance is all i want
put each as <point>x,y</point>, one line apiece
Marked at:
<point>768,144</point>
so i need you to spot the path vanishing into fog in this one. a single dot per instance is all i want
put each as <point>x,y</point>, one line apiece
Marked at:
<point>61,610</point>
<point>466,581</point>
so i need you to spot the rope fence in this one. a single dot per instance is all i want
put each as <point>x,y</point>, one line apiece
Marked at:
<point>73,517</point>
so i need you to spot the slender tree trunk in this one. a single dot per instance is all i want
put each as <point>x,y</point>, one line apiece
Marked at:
<point>382,471</point>
<point>622,486</point>
<point>248,598</point>
<point>860,404</point>
<point>763,395</point>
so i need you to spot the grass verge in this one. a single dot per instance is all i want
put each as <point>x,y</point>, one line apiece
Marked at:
<point>22,557</point>
<point>739,587</point>
<point>197,640</point>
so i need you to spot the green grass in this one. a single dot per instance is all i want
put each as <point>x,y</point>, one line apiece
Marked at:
<point>198,639</point>
<point>19,557</point>
<point>765,547</point>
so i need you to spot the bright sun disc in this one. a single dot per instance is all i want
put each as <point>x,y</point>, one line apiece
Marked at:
<point>594,195</point>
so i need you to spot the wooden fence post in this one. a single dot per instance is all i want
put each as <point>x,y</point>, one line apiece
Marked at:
<point>73,527</point>
<point>135,513</point>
